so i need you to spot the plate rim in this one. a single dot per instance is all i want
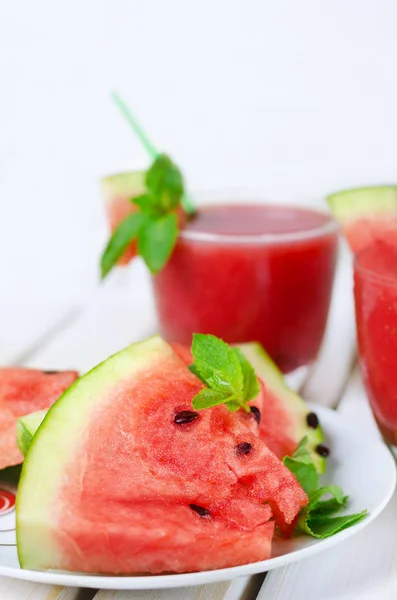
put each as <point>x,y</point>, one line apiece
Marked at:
<point>146,582</point>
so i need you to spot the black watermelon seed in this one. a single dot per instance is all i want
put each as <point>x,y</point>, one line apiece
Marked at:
<point>200,510</point>
<point>185,416</point>
<point>50,372</point>
<point>256,413</point>
<point>322,450</point>
<point>312,420</point>
<point>243,448</point>
<point>191,216</point>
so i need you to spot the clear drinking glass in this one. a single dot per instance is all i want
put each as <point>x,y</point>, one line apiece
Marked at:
<point>375,291</point>
<point>251,271</point>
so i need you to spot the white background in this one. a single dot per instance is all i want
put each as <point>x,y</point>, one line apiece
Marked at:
<point>295,98</point>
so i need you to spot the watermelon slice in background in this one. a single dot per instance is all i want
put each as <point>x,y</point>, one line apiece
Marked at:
<point>117,191</point>
<point>126,488</point>
<point>366,215</point>
<point>23,391</point>
<point>283,413</point>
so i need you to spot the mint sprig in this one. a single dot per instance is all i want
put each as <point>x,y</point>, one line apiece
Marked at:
<point>317,518</point>
<point>229,377</point>
<point>155,224</point>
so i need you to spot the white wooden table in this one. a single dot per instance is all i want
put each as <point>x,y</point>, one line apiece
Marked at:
<point>364,567</point>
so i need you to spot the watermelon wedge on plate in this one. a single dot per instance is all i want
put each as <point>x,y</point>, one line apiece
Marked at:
<point>122,476</point>
<point>117,191</point>
<point>366,215</point>
<point>23,391</point>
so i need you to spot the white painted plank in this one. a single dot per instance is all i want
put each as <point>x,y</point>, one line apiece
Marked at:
<point>355,406</point>
<point>363,567</point>
<point>333,366</point>
<point>239,589</point>
<point>15,589</point>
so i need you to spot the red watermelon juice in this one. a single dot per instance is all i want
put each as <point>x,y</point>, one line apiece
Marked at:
<point>375,291</point>
<point>251,272</point>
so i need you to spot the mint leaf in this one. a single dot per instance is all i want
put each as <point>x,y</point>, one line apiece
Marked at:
<point>164,181</point>
<point>338,498</point>
<point>328,507</point>
<point>156,240</point>
<point>195,371</point>
<point>208,397</point>
<point>301,465</point>
<point>251,384</point>
<point>217,364</point>
<point>122,236</point>
<point>322,526</point>
<point>147,204</point>
<point>315,519</point>
<point>230,378</point>
<point>234,405</point>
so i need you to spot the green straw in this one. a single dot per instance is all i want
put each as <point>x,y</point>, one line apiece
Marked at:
<point>187,202</point>
<point>141,135</point>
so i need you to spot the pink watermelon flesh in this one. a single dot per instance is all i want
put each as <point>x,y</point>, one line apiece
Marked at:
<point>23,391</point>
<point>363,232</point>
<point>130,497</point>
<point>276,425</point>
<point>163,538</point>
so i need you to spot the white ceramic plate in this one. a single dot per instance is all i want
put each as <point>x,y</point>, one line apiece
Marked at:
<point>361,465</point>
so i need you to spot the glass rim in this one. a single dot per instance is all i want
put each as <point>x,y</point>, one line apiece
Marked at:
<point>329,227</point>
<point>371,273</point>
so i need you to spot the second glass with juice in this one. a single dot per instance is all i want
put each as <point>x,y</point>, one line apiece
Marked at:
<point>251,272</point>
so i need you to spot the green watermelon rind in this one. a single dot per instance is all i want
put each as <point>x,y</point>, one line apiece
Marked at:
<point>348,205</point>
<point>122,185</point>
<point>41,470</point>
<point>295,406</point>
<point>27,426</point>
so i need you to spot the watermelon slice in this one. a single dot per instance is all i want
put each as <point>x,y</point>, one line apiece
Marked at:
<point>117,191</point>
<point>23,391</point>
<point>131,482</point>
<point>366,215</point>
<point>284,415</point>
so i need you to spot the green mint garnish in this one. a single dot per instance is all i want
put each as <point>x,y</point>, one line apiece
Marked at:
<point>317,518</point>
<point>155,225</point>
<point>229,377</point>
<point>301,465</point>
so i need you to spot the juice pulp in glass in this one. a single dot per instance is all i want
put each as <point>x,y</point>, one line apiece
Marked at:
<point>251,272</point>
<point>375,292</point>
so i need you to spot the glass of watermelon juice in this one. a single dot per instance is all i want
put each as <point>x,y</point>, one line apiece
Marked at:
<point>247,272</point>
<point>375,292</point>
